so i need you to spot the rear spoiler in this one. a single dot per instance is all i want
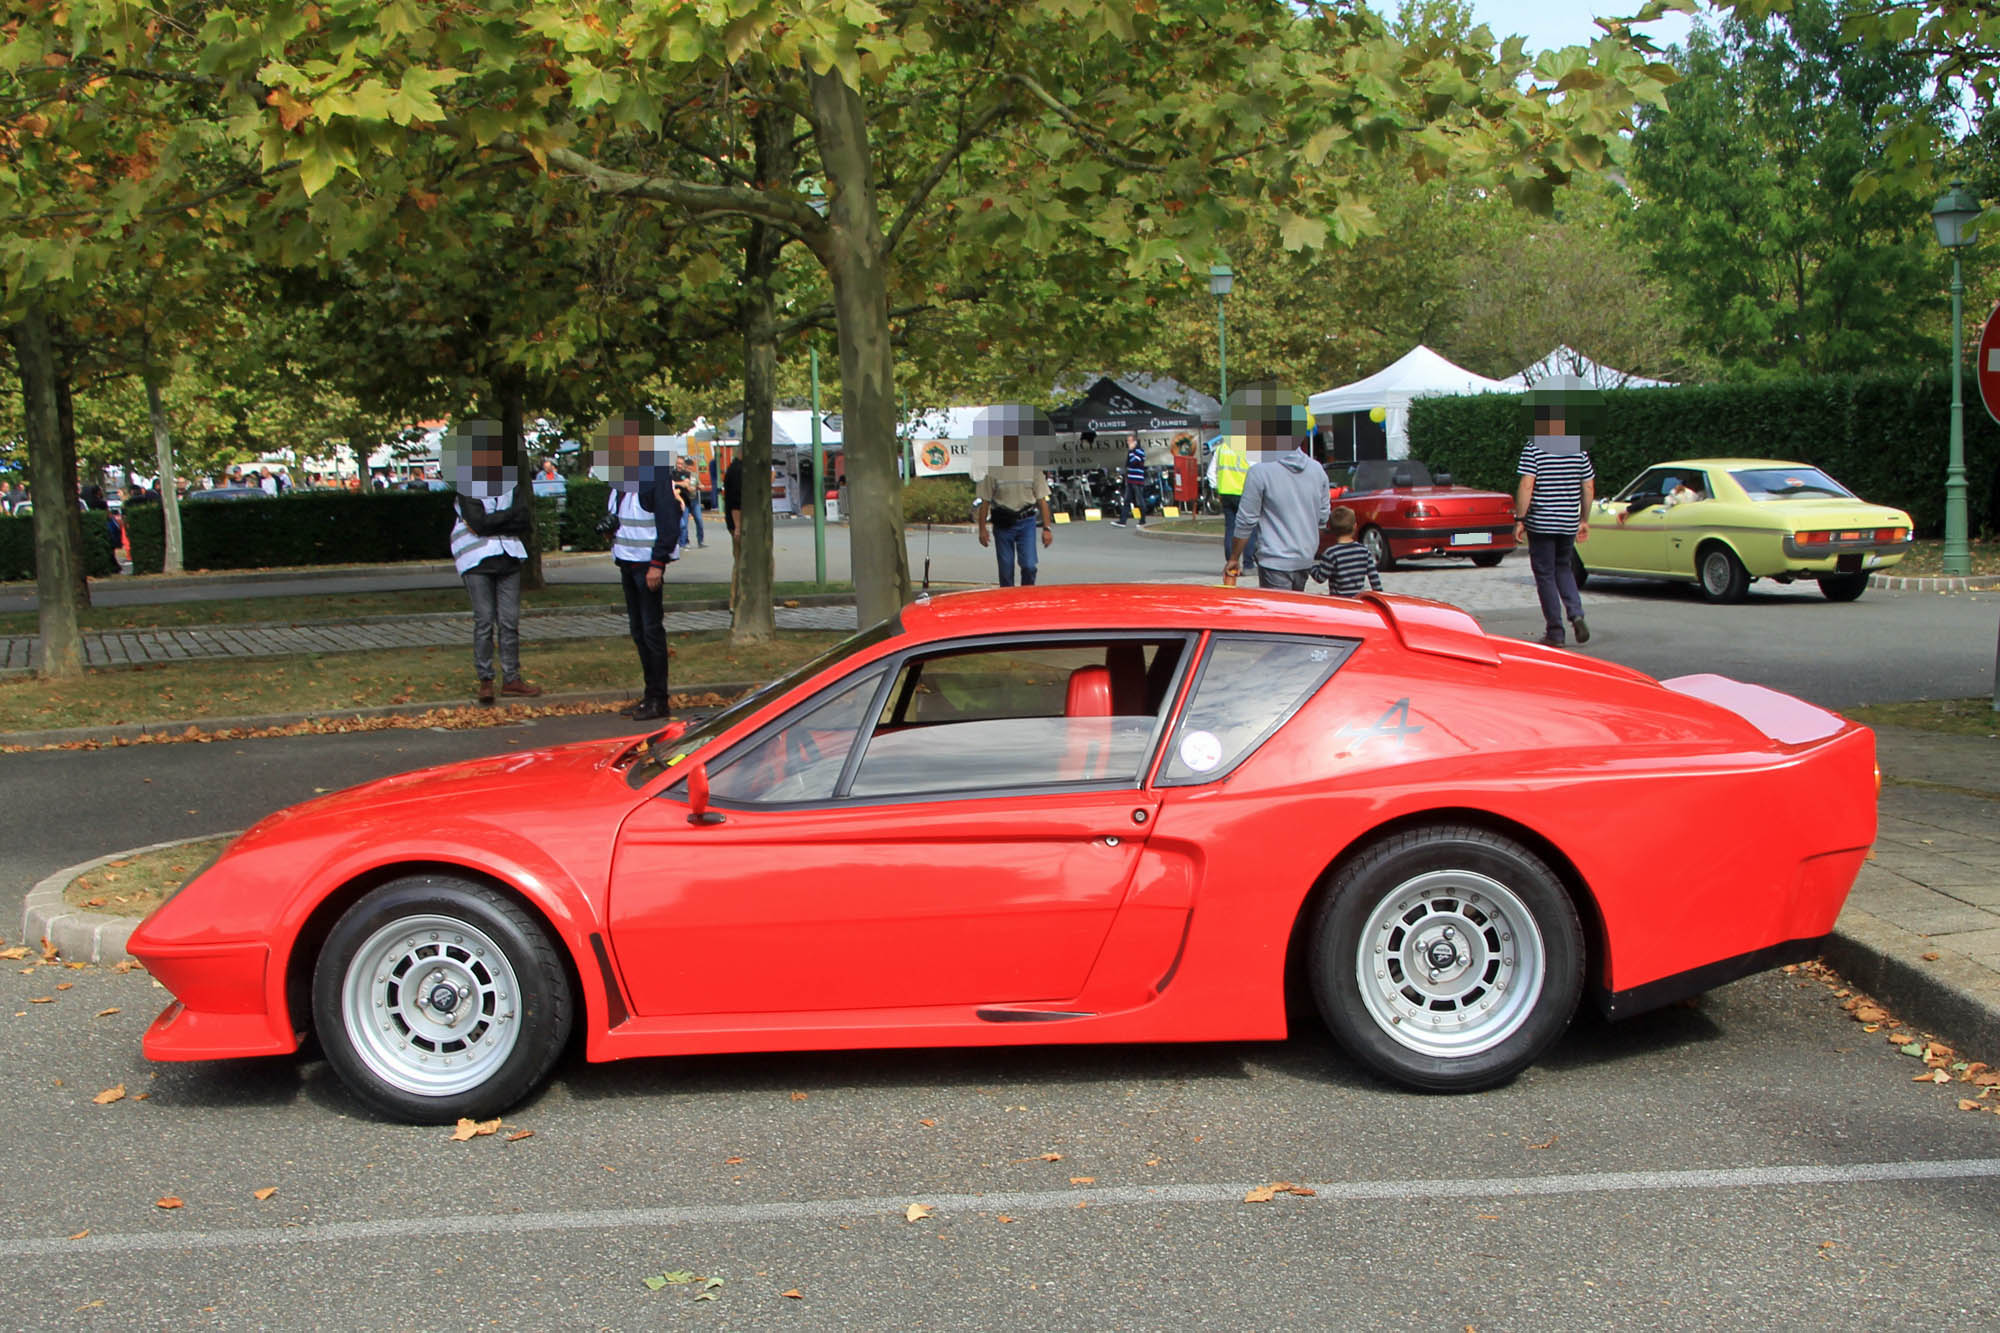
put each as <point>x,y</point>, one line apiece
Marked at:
<point>1785,719</point>
<point>1438,628</point>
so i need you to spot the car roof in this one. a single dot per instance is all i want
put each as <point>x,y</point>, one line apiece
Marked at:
<point>1727,463</point>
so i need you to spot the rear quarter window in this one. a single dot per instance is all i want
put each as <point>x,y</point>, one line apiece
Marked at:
<point>1248,687</point>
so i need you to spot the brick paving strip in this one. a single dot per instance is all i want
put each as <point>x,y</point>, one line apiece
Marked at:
<point>22,653</point>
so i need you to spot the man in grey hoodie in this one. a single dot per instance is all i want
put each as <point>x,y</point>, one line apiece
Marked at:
<point>1285,498</point>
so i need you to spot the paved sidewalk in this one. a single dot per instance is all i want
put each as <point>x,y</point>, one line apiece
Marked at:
<point>22,653</point>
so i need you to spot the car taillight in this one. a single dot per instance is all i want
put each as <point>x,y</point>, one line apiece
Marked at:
<point>1418,511</point>
<point>1814,538</point>
<point>1888,534</point>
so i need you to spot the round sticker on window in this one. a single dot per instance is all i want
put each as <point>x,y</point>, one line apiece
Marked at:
<point>1201,751</point>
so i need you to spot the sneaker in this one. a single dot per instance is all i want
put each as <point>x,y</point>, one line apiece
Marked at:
<point>1551,640</point>
<point>649,710</point>
<point>486,691</point>
<point>1119,523</point>
<point>1582,630</point>
<point>520,687</point>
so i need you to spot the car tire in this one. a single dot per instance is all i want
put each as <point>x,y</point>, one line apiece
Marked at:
<point>1378,546</point>
<point>1490,559</point>
<point>1379,974</point>
<point>1576,568</point>
<point>1720,574</point>
<point>1843,587</point>
<point>414,1054</point>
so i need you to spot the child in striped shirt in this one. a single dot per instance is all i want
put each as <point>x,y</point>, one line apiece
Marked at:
<point>1346,564</point>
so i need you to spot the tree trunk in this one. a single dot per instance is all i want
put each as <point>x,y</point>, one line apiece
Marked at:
<point>754,619</point>
<point>881,563</point>
<point>79,584</point>
<point>163,451</point>
<point>56,561</point>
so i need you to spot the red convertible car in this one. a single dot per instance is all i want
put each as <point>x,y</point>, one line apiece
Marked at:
<point>1037,815</point>
<point>1403,510</point>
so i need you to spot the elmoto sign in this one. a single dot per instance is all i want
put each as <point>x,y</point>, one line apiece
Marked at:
<point>1987,366</point>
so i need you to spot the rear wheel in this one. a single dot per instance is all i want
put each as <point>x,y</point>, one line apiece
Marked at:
<point>1378,546</point>
<point>1447,958</point>
<point>1843,587</point>
<point>436,998</point>
<point>1490,559</point>
<point>1723,578</point>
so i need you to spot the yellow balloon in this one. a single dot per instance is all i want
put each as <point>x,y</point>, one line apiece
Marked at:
<point>1378,414</point>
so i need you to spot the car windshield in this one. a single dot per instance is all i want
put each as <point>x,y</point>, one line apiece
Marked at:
<point>655,759</point>
<point>1788,483</point>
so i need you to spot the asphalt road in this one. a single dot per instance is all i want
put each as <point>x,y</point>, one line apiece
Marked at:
<point>1754,1160</point>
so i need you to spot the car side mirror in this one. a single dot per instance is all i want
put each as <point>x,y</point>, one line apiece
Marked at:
<point>698,811</point>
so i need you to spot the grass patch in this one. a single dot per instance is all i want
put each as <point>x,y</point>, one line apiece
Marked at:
<point>1206,527</point>
<point>250,687</point>
<point>1954,717</point>
<point>1926,559</point>
<point>136,885</point>
<point>239,609</point>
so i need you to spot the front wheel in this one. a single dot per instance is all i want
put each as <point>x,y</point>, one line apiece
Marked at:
<point>1447,958</point>
<point>1378,546</point>
<point>436,998</point>
<point>1723,578</point>
<point>1843,587</point>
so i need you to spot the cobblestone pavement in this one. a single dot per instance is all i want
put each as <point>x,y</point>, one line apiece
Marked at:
<point>125,647</point>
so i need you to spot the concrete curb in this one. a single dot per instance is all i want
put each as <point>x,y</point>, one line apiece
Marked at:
<point>1953,996</point>
<point>133,730</point>
<point>1214,539</point>
<point>1912,583</point>
<point>80,936</point>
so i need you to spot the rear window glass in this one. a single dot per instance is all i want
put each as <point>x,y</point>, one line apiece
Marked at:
<point>1248,687</point>
<point>1788,483</point>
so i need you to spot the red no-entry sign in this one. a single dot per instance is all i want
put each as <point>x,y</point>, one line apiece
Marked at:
<point>1988,365</point>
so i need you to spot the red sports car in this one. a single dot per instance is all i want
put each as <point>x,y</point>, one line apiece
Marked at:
<point>1403,510</point>
<point>1084,814</point>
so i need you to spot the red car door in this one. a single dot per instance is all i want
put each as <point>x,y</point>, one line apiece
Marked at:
<point>990,900</point>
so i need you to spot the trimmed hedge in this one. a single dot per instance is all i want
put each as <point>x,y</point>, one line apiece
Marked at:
<point>17,547</point>
<point>938,500</point>
<point>312,528</point>
<point>583,504</point>
<point>1886,439</point>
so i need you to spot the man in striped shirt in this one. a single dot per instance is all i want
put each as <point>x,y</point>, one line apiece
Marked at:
<point>1550,512</point>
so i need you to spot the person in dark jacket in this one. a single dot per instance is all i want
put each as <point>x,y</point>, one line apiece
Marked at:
<point>488,548</point>
<point>646,512</point>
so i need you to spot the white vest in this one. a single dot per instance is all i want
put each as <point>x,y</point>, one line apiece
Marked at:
<point>468,548</point>
<point>633,542</point>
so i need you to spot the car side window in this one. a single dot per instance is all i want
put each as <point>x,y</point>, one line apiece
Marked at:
<point>803,759</point>
<point>1020,715</point>
<point>1248,687</point>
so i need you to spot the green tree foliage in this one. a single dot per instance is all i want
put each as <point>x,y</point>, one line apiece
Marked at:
<point>1749,204</point>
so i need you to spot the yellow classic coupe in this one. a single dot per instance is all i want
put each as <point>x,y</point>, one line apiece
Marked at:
<point>1719,523</point>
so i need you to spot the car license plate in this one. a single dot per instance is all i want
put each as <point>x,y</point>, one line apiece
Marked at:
<point>1471,539</point>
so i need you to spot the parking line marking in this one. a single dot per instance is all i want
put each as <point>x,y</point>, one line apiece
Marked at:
<point>943,1205</point>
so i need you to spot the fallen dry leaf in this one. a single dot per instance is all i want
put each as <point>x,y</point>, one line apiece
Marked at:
<point>110,1095</point>
<point>732,1161</point>
<point>1968,1104</point>
<point>18,951</point>
<point>471,1129</point>
<point>1932,956</point>
<point>793,1295</point>
<point>928,1124</point>
<point>1051,1157</point>
<point>263,1194</point>
<point>798,1096</point>
<point>1004,1218</point>
<point>1083,1180</point>
<point>1262,1194</point>
<point>64,985</point>
<point>81,1234</point>
<point>106,1013</point>
<point>1266,1193</point>
<point>41,999</point>
<point>171,1201</point>
<point>524,1134</point>
<point>1932,1076</point>
<point>1549,1142</point>
<point>916,1212</point>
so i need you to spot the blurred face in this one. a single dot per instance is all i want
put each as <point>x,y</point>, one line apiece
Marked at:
<point>470,457</point>
<point>1012,441</point>
<point>1266,422</point>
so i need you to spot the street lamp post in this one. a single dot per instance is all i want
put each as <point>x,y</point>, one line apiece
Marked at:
<point>1956,214</point>
<point>1220,279</point>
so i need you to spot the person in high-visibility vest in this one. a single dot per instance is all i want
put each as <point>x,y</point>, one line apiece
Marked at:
<point>487,550</point>
<point>645,514</point>
<point>1228,464</point>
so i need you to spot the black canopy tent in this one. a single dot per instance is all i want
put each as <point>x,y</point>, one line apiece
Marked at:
<point>1134,406</point>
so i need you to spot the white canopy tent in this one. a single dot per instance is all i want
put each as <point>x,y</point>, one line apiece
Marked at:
<point>1419,373</point>
<point>1566,360</point>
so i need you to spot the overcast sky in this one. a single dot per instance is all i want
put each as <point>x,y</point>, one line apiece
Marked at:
<point>1548,24</point>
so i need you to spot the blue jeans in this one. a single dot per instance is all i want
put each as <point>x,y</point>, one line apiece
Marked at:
<point>691,515</point>
<point>1230,504</point>
<point>1018,540</point>
<point>1555,579</point>
<point>496,604</point>
<point>1135,498</point>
